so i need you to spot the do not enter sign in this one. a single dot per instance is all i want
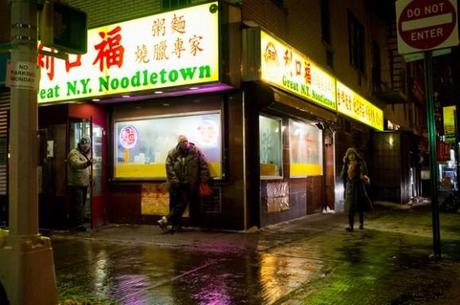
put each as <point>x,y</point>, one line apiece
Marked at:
<point>426,24</point>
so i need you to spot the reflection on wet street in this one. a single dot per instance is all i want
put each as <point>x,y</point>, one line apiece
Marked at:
<point>306,263</point>
<point>152,275</point>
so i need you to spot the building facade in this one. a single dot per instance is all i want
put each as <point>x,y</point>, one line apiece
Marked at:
<point>273,92</point>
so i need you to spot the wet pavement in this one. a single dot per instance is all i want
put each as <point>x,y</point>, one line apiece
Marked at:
<point>310,261</point>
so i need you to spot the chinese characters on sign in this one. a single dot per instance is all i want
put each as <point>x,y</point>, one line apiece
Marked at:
<point>178,48</point>
<point>355,106</point>
<point>448,117</point>
<point>109,51</point>
<point>290,70</point>
<point>46,62</point>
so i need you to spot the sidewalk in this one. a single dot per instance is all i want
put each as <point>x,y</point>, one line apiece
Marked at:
<point>311,260</point>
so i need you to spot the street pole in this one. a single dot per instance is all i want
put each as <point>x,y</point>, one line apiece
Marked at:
<point>26,258</point>
<point>428,67</point>
<point>456,151</point>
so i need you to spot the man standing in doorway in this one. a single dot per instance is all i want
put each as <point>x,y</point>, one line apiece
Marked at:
<point>79,173</point>
<point>186,168</point>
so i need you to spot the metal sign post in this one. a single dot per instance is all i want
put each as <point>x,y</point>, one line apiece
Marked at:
<point>424,26</point>
<point>456,137</point>
<point>432,145</point>
<point>26,258</point>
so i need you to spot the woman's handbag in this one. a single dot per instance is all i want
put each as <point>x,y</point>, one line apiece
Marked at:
<point>205,190</point>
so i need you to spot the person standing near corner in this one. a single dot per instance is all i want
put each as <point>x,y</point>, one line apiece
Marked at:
<point>354,175</point>
<point>79,173</point>
<point>186,168</point>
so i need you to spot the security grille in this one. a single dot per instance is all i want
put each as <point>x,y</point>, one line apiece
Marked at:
<point>4,118</point>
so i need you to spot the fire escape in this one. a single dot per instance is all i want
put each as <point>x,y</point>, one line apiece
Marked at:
<point>390,83</point>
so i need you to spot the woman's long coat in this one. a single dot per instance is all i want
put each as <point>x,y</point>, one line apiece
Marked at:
<point>356,197</point>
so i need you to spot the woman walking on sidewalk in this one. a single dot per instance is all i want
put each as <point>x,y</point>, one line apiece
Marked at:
<point>354,175</point>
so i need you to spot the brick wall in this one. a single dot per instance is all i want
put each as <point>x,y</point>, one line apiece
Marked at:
<point>267,14</point>
<point>102,12</point>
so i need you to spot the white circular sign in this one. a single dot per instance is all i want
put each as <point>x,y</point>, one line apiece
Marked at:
<point>128,136</point>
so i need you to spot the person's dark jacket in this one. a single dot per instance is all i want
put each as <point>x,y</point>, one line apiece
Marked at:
<point>356,196</point>
<point>186,166</point>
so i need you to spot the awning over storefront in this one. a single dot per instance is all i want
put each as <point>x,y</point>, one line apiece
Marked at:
<point>267,97</point>
<point>299,105</point>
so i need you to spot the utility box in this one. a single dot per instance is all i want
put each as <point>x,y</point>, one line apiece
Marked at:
<point>396,170</point>
<point>63,28</point>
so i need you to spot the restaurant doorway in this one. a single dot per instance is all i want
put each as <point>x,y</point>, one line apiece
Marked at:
<point>78,128</point>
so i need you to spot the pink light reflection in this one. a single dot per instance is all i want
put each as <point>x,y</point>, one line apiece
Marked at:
<point>214,291</point>
<point>130,286</point>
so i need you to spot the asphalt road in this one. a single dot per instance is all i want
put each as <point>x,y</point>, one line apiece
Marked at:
<point>308,261</point>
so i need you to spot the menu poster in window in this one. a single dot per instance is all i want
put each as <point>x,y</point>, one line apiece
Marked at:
<point>154,200</point>
<point>305,149</point>
<point>142,145</point>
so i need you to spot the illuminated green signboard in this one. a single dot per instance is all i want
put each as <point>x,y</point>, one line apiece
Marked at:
<point>172,49</point>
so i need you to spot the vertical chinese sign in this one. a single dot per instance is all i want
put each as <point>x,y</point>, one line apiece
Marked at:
<point>172,49</point>
<point>448,115</point>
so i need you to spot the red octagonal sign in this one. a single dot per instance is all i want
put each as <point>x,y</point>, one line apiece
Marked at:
<point>426,24</point>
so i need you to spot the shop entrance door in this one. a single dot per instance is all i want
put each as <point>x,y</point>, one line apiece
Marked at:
<point>330,168</point>
<point>78,128</point>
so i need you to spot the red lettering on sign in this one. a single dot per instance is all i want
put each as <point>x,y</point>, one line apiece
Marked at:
<point>110,51</point>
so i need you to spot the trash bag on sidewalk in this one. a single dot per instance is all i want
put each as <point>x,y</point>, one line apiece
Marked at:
<point>452,203</point>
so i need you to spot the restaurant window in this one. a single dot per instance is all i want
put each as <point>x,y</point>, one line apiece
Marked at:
<point>356,42</point>
<point>305,149</point>
<point>174,4</point>
<point>270,136</point>
<point>141,145</point>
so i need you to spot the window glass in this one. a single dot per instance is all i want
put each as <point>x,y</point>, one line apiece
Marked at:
<point>142,145</point>
<point>356,42</point>
<point>270,147</point>
<point>305,149</point>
